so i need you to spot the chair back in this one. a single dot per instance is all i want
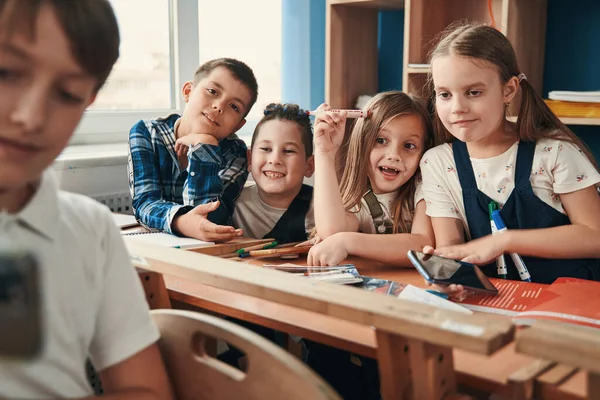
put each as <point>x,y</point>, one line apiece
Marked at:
<point>272,373</point>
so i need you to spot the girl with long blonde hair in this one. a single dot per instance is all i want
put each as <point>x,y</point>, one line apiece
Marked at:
<point>379,191</point>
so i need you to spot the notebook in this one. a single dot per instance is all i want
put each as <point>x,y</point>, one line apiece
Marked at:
<point>166,240</point>
<point>341,274</point>
<point>513,297</point>
<point>124,221</point>
<point>567,300</point>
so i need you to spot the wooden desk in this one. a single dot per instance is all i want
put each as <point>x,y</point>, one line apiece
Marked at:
<point>504,372</point>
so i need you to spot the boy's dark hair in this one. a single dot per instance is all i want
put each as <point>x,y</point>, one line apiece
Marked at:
<point>90,26</point>
<point>238,69</point>
<point>292,113</point>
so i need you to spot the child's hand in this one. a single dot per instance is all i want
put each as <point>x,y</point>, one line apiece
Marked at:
<point>454,292</point>
<point>183,144</point>
<point>329,251</point>
<point>195,224</point>
<point>479,251</point>
<point>329,130</point>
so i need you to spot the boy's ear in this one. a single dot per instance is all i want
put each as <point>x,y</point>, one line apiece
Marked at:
<point>310,167</point>
<point>91,100</point>
<point>510,89</point>
<point>186,90</point>
<point>239,126</point>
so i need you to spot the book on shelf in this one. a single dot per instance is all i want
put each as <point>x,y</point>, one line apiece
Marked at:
<point>566,299</point>
<point>569,109</point>
<point>575,96</point>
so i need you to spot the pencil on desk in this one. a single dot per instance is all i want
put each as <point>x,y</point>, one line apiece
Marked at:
<point>280,251</point>
<point>257,247</point>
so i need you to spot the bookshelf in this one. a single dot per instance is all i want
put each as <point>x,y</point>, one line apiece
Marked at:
<point>351,40</point>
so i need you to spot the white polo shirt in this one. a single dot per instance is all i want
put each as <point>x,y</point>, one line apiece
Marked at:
<point>93,301</point>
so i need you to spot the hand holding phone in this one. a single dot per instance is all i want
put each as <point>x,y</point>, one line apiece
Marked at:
<point>444,271</point>
<point>19,305</point>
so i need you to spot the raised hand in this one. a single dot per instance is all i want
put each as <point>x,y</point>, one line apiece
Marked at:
<point>195,224</point>
<point>329,130</point>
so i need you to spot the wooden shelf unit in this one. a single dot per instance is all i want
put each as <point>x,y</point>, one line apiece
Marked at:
<point>351,40</point>
<point>522,21</point>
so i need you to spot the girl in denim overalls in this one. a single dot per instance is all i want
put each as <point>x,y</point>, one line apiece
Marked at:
<point>540,173</point>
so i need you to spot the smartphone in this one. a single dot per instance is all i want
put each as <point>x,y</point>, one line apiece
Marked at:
<point>444,271</point>
<point>20,315</point>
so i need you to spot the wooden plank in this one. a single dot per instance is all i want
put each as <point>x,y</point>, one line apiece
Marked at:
<point>477,333</point>
<point>526,30</point>
<point>350,336</point>
<point>522,381</point>
<point>570,344</point>
<point>431,369</point>
<point>489,374</point>
<point>393,364</point>
<point>155,290</point>
<point>593,385</point>
<point>231,246</point>
<point>561,382</point>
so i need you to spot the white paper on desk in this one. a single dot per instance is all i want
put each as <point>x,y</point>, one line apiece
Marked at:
<point>167,240</point>
<point>412,293</point>
<point>124,221</point>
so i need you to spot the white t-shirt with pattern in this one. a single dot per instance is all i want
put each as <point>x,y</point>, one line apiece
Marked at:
<point>558,167</point>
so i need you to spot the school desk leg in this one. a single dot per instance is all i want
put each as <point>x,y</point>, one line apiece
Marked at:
<point>432,370</point>
<point>593,386</point>
<point>393,363</point>
<point>155,290</point>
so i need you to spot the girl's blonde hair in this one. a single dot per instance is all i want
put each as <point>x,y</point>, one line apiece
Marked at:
<point>355,182</point>
<point>481,42</point>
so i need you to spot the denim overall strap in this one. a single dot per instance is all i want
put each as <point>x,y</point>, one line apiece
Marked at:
<point>291,227</point>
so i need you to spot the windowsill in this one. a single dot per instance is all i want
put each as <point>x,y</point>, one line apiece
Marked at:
<point>89,156</point>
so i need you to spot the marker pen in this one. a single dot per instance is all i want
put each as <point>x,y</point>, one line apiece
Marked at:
<point>500,261</point>
<point>501,226</point>
<point>349,113</point>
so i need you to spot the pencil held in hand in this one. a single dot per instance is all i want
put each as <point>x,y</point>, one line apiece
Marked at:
<point>349,113</point>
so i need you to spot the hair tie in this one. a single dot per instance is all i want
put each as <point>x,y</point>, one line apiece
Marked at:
<point>522,77</point>
<point>267,112</point>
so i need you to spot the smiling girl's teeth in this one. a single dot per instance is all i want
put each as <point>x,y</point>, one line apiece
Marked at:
<point>387,170</point>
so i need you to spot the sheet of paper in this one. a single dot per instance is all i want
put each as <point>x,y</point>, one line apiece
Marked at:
<point>412,293</point>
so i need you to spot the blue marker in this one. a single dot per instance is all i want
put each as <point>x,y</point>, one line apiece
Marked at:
<point>439,294</point>
<point>500,262</point>
<point>501,226</point>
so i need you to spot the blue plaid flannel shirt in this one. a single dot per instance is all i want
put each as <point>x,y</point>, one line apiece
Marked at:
<point>160,190</point>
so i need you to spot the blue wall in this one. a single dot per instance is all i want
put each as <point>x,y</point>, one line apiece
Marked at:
<point>303,52</point>
<point>391,42</point>
<point>573,54</point>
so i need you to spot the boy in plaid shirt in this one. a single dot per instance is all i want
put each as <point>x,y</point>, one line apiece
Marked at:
<point>185,172</point>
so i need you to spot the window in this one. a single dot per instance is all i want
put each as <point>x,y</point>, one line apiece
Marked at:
<point>141,78</point>
<point>162,44</point>
<point>251,32</point>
